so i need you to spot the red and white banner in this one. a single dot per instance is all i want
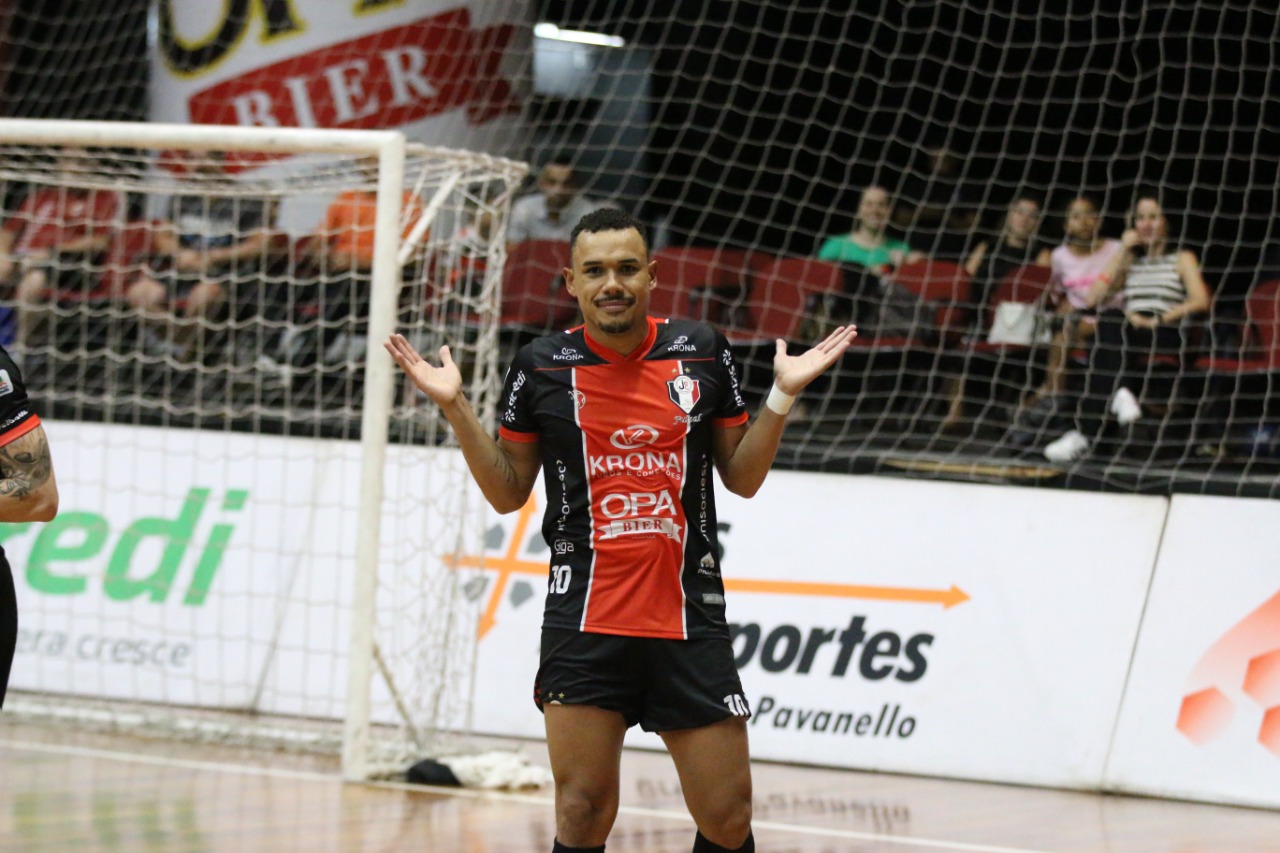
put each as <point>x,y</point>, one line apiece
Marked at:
<point>449,72</point>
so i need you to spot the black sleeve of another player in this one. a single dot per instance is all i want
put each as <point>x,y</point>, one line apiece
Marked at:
<point>16,413</point>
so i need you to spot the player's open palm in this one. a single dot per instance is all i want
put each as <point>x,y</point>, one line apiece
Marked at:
<point>793,372</point>
<point>442,384</point>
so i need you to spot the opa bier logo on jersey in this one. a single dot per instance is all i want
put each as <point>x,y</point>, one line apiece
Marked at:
<point>637,512</point>
<point>402,73</point>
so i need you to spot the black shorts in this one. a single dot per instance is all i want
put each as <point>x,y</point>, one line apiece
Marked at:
<point>663,685</point>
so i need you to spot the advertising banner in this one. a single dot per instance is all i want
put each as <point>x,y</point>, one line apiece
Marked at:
<point>1201,714</point>
<point>935,628</point>
<point>449,72</point>
<point>176,561</point>
<point>216,569</point>
<point>944,629</point>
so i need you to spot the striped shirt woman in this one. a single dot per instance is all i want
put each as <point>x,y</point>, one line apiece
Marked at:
<point>1153,285</point>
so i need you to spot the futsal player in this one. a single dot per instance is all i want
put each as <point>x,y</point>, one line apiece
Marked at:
<point>625,416</point>
<point>28,491</point>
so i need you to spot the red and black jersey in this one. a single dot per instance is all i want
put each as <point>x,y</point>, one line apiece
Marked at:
<point>626,448</point>
<point>17,418</point>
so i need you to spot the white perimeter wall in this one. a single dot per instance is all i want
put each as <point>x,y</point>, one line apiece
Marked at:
<point>1005,634</point>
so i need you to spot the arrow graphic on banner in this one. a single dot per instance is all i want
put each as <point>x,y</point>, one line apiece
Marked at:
<point>948,598</point>
<point>511,563</point>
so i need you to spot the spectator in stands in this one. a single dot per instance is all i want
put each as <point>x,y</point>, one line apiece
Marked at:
<point>459,286</point>
<point>215,240</point>
<point>344,249</point>
<point>867,254</point>
<point>993,257</point>
<point>1078,265</point>
<point>1160,287</point>
<point>551,212</point>
<point>935,206</point>
<point>55,238</point>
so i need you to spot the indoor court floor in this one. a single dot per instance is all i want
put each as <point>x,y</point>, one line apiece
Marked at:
<point>91,793</point>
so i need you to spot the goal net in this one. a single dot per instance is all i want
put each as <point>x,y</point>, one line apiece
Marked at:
<point>261,523</point>
<point>745,135</point>
<point>766,124</point>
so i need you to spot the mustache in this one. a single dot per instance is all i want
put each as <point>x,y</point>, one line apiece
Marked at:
<point>620,299</point>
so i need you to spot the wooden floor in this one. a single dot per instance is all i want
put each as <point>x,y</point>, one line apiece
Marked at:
<point>97,793</point>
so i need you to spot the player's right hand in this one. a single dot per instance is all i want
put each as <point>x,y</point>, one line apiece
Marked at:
<point>442,384</point>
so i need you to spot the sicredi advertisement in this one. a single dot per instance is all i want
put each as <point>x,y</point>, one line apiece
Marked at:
<point>217,569</point>
<point>449,72</point>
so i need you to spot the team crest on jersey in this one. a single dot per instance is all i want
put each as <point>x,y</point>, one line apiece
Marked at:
<point>579,399</point>
<point>684,392</point>
<point>6,384</point>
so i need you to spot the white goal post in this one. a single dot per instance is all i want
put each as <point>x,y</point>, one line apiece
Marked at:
<point>275,386</point>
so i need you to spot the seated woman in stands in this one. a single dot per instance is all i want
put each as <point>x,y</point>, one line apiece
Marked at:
<point>1160,286</point>
<point>992,258</point>
<point>1078,265</point>
<point>867,253</point>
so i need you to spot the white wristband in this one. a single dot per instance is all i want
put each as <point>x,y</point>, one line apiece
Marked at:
<point>779,401</point>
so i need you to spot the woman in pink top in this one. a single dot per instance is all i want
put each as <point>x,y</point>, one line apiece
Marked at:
<point>1078,264</point>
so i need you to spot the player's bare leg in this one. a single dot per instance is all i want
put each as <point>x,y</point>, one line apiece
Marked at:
<point>585,747</point>
<point>714,766</point>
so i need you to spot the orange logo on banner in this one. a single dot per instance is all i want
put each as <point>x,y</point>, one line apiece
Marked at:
<point>1247,657</point>
<point>512,563</point>
<point>387,79</point>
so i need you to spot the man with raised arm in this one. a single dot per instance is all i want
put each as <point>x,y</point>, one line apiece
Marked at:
<point>625,416</point>
<point>28,491</point>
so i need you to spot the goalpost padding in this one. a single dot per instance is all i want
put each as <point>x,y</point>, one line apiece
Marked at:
<point>256,544</point>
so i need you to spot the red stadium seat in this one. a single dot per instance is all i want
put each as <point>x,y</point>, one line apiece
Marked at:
<point>782,293</point>
<point>1260,344</point>
<point>130,247</point>
<point>941,286</point>
<point>716,274</point>
<point>534,297</point>
<point>1027,284</point>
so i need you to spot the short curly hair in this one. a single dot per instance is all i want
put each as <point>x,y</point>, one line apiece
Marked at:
<point>607,219</point>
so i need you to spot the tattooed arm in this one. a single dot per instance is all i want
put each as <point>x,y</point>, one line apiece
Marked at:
<point>28,490</point>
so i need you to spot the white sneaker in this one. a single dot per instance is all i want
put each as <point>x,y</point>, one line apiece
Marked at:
<point>1068,448</point>
<point>1125,407</point>
<point>269,368</point>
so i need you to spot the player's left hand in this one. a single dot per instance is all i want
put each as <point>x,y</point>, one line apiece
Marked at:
<point>791,373</point>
